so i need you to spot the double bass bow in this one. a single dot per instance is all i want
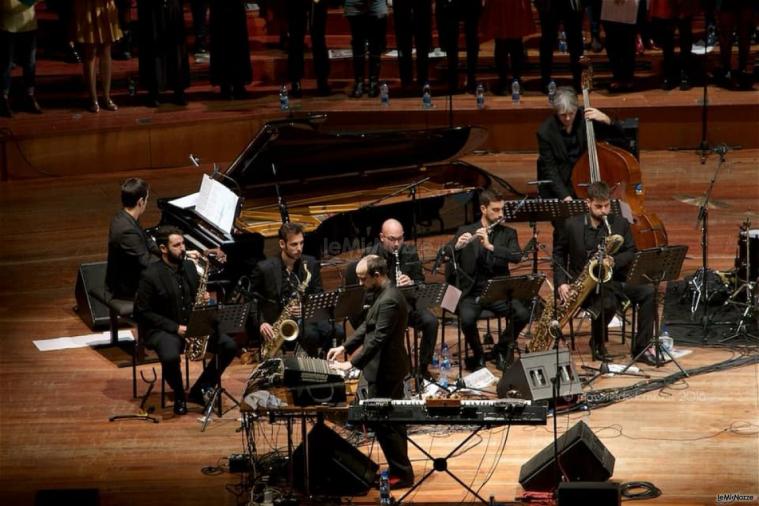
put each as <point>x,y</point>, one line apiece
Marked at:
<point>621,171</point>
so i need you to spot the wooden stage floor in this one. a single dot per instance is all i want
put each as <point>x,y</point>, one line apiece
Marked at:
<point>694,439</point>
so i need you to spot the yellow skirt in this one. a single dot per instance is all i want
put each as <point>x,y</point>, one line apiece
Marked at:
<point>95,22</point>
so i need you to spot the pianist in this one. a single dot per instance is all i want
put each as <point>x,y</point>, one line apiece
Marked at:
<point>382,359</point>
<point>130,250</point>
<point>277,279</point>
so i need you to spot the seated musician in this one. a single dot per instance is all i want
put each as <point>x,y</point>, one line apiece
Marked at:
<point>406,272</point>
<point>130,250</point>
<point>166,295</point>
<point>277,279</point>
<point>562,141</point>
<point>481,254</point>
<point>578,240</point>
<point>382,359</point>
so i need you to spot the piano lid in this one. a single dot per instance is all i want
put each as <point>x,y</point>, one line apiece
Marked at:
<point>300,152</point>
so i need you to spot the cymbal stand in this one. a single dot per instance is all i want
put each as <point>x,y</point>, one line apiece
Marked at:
<point>748,287</point>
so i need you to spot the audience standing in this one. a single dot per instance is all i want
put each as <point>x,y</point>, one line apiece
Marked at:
<point>18,39</point>
<point>508,22</point>
<point>230,52</point>
<point>368,22</point>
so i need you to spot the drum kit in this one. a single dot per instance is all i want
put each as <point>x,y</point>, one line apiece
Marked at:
<point>738,286</point>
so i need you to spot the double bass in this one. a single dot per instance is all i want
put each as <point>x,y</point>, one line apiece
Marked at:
<point>621,171</point>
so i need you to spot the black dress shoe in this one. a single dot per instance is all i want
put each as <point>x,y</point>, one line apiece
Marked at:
<point>180,407</point>
<point>504,358</point>
<point>200,395</point>
<point>323,88</point>
<point>373,88</point>
<point>684,83</point>
<point>667,84</point>
<point>296,90</point>
<point>474,363</point>
<point>647,358</point>
<point>397,482</point>
<point>152,100</point>
<point>5,108</point>
<point>358,90</point>
<point>71,55</point>
<point>180,98</point>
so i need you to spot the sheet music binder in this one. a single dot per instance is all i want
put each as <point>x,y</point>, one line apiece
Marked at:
<point>511,288</point>
<point>204,321</point>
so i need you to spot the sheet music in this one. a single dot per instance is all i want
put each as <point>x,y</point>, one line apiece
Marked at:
<point>451,299</point>
<point>185,202</point>
<point>217,204</point>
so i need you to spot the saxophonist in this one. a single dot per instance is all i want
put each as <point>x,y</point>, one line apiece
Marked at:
<point>577,241</point>
<point>165,297</point>
<point>481,251</point>
<point>277,279</point>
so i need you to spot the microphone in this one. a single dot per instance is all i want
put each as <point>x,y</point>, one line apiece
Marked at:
<point>540,181</point>
<point>438,259</point>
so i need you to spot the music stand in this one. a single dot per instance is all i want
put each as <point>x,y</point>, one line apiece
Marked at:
<point>206,321</point>
<point>652,266</point>
<point>422,296</point>
<point>337,304</point>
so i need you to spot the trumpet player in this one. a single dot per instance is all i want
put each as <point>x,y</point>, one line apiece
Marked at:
<point>577,242</point>
<point>276,282</point>
<point>481,251</point>
<point>404,269</point>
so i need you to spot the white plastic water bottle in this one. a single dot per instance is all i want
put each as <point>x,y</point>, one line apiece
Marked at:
<point>426,97</point>
<point>284,100</point>
<point>384,94</point>
<point>445,356</point>
<point>480,96</point>
<point>563,41</point>
<point>551,92</point>
<point>384,489</point>
<point>515,92</point>
<point>664,339</point>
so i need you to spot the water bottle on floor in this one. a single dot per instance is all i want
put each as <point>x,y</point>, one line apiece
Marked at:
<point>480,96</point>
<point>384,94</point>
<point>284,100</point>
<point>426,97</point>
<point>384,489</point>
<point>551,92</point>
<point>515,92</point>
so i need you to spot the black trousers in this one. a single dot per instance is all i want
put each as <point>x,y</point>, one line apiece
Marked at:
<point>367,29</point>
<point>426,323</point>
<point>643,296</point>
<point>549,24</point>
<point>20,47</point>
<point>300,15</point>
<point>469,310</point>
<point>317,337</point>
<point>199,10</point>
<point>620,46</point>
<point>664,33</point>
<point>505,49</point>
<point>413,19</point>
<point>169,347</point>
<point>391,436</point>
<point>449,14</point>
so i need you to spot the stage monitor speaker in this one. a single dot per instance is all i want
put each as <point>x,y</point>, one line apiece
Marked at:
<point>531,376</point>
<point>336,467</point>
<point>93,312</point>
<point>582,493</point>
<point>582,456</point>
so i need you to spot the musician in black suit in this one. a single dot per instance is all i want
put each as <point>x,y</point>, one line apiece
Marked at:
<point>130,250</point>
<point>382,359</point>
<point>277,280</point>
<point>479,252</point>
<point>577,242</point>
<point>562,140</point>
<point>407,271</point>
<point>165,297</point>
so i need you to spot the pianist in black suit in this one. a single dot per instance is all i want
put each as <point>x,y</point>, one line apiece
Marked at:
<point>382,359</point>
<point>276,279</point>
<point>480,254</point>
<point>407,271</point>
<point>165,298</point>
<point>130,250</point>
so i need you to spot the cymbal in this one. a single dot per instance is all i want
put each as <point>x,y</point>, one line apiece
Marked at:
<point>699,201</point>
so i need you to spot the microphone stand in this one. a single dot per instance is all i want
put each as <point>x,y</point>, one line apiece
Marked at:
<point>284,212</point>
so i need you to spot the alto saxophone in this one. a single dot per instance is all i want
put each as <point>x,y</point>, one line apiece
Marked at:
<point>286,328</point>
<point>196,346</point>
<point>593,271</point>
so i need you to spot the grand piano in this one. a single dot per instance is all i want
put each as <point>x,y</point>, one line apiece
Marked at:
<point>340,186</point>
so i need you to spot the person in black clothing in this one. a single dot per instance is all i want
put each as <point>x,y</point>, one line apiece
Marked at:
<point>562,140</point>
<point>163,59</point>
<point>478,255</point>
<point>368,21</point>
<point>130,250</point>
<point>577,242</point>
<point>413,19</point>
<point>230,52</point>
<point>449,13</point>
<point>568,13</point>
<point>311,14</point>
<point>277,279</point>
<point>406,272</point>
<point>165,298</point>
<point>382,359</point>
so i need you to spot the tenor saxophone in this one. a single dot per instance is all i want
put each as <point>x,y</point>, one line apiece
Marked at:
<point>196,346</point>
<point>285,328</point>
<point>593,271</point>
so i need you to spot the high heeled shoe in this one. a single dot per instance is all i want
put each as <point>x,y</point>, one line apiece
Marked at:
<point>94,107</point>
<point>109,105</point>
